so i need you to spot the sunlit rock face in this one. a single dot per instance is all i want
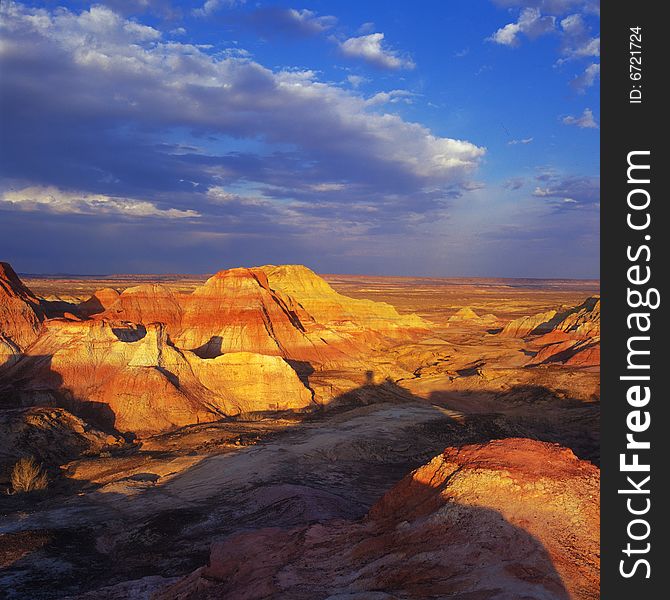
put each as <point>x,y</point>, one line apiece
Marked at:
<point>20,314</point>
<point>237,311</point>
<point>523,326</point>
<point>509,519</point>
<point>100,301</point>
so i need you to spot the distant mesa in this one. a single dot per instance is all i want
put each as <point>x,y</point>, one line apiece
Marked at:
<point>468,315</point>
<point>526,513</point>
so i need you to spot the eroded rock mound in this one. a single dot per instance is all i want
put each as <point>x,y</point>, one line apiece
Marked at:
<point>148,303</point>
<point>237,311</point>
<point>20,314</point>
<point>306,289</point>
<point>509,519</point>
<point>99,302</point>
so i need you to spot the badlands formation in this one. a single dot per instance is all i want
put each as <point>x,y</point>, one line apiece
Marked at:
<point>270,433</point>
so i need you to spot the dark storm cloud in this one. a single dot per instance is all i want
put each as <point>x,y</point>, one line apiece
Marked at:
<point>90,100</point>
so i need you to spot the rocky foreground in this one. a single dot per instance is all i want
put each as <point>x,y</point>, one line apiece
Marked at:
<point>509,519</point>
<point>248,438</point>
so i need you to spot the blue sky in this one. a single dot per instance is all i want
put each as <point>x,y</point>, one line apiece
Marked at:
<point>442,138</point>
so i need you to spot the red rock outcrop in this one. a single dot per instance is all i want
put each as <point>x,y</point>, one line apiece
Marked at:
<point>582,321</point>
<point>20,314</point>
<point>509,519</point>
<point>143,385</point>
<point>286,311</point>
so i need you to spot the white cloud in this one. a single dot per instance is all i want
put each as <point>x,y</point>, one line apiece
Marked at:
<point>539,17</point>
<point>54,200</point>
<point>530,22</point>
<point>392,97</point>
<point>310,21</point>
<point>367,27</point>
<point>357,80</point>
<point>522,141</point>
<point>370,49</point>
<point>587,78</point>
<point>562,189</point>
<point>576,39</point>
<point>585,120</point>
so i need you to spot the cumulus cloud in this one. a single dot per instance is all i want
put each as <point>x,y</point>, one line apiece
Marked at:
<point>586,120</point>
<point>370,48</point>
<point>51,199</point>
<point>523,141</point>
<point>392,97</point>
<point>212,6</point>
<point>566,20</point>
<point>531,22</point>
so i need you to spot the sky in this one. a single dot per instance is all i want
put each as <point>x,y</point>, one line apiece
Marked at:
<point>435,138</point>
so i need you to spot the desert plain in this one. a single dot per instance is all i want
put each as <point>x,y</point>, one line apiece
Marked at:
<point>273,433</point>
